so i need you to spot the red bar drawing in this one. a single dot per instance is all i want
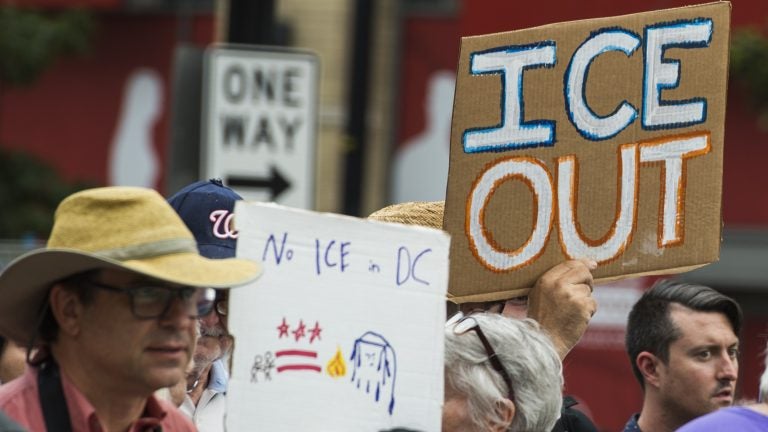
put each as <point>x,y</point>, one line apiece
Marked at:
<point>308,367</point>
<point>301,353</point>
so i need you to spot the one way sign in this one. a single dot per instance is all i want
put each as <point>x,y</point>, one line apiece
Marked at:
<point>260,122</point>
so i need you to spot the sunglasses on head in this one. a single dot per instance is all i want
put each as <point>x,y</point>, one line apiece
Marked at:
<point>463,324</point>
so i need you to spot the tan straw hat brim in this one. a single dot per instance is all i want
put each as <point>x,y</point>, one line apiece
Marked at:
<point>121,228</point>
<point>25,283</point>
<point>422,213</point>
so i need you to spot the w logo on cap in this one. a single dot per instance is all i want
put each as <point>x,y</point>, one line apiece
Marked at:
<point>223,226</point>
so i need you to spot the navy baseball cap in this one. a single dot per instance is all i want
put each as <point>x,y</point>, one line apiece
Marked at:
<point>207,208</point>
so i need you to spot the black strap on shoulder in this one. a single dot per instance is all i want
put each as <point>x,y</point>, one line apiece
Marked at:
<point>52,400</point>
<point>573,420</point>
<point>569,401</point>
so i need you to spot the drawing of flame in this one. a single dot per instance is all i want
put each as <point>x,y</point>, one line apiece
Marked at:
<point>336,367</point>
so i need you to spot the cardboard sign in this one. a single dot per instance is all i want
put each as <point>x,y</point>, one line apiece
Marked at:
<point>344,330</point>
<point>596,139</point>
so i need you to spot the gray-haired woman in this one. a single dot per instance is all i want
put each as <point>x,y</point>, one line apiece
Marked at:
<point>501,374</point>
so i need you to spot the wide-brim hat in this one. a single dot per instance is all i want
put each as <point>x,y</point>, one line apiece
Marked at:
<point>120,228</point>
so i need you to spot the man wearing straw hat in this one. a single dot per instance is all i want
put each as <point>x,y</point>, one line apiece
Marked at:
<point>110,304</point>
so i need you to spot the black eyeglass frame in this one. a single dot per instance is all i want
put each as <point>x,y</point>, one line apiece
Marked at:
<point>493,358</point>
<point>183,293</point>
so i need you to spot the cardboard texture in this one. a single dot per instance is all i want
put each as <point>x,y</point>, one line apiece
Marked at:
<point>344,330</point>
<point>598,139</point>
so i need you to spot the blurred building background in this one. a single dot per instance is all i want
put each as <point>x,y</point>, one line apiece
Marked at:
<point>111,94</point>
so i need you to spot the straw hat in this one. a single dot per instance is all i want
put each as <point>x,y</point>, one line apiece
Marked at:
<point>121,228</point>
<point>423,213</point>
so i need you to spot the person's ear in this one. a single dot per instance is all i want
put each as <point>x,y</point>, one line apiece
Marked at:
<point>506,412</point>
<point>649,366</point>
<point>66,308</point>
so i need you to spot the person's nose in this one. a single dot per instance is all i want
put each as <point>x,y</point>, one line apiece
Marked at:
<point>178,314</point>
<point>211,319</point>
<point>728,369</point>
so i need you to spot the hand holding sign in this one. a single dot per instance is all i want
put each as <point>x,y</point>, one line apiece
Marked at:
<point>561,301</point>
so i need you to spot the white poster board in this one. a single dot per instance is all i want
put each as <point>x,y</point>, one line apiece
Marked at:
<point>344,330</point>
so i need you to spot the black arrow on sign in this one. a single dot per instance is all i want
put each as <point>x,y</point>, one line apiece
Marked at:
<point>276,183</point>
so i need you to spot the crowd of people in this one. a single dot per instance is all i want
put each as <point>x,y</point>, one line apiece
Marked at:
<point>120,324</point>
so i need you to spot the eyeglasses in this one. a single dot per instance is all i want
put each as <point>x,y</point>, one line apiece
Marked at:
<point>154,301</point>
<point>462,325</point>
<point>221,305</point>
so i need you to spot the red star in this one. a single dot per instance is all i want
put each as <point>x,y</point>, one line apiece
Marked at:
<point>299,332</point>
<point>315,332</point>
<point>283,329</point>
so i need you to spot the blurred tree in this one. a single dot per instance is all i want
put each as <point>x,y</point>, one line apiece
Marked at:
<point>30,42</point>
<point>749,67</point>
<point>30,190</point>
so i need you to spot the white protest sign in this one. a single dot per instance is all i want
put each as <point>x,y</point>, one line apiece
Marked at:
<point>344,329</point>
<point>260,122</point>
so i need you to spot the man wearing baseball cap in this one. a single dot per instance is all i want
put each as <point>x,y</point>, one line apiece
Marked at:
<point>110,305</point>
<point>207,207</point>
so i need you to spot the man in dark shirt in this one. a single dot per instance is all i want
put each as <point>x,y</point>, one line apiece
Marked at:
<point>683,345</point>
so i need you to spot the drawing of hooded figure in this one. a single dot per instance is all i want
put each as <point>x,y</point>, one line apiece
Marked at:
<point>374,367</point>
